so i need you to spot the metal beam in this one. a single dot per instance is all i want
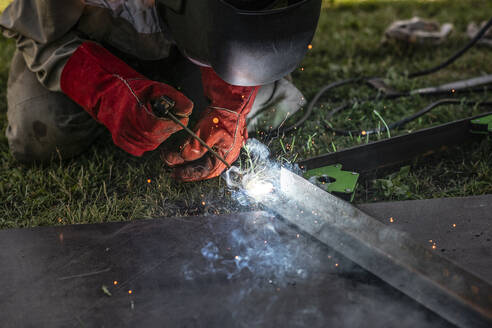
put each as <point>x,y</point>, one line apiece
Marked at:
<point>437,283</point>
<point>385,153</point>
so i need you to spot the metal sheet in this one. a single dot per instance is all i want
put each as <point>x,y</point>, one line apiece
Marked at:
<point>183,272</point>
<point>461,227</point>
<point>437,283</point>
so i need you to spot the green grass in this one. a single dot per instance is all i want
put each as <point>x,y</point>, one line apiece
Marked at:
<point>105,184</point>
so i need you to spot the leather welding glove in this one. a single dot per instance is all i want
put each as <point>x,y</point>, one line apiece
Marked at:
<point>120,98</point>
<point>222,127</point>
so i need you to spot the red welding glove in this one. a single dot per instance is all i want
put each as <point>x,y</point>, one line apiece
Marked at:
<point>222,127</point>
<point>119,97</point>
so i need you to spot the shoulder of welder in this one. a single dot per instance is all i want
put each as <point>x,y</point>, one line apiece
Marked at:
<point>131,26</point>
<point>43,21</point>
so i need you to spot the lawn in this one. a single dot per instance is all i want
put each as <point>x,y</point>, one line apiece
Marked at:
<point>105,184</point>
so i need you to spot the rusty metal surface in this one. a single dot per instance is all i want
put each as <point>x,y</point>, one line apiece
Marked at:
<point>455,294</point>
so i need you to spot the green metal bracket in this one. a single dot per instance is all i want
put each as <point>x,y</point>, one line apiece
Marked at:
<point>333,180</point>
<point>482,125</point>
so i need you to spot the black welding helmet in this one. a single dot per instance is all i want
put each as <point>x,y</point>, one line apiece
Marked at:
<point>246,42</point>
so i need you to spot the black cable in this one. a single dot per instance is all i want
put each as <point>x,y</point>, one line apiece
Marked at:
<point>394,96</point>
<point>333,85</point>
<point>313,102</point>
<point>457,55</point>
<point>404,121</point>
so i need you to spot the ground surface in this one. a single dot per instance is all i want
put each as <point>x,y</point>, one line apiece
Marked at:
<point>105,184</point>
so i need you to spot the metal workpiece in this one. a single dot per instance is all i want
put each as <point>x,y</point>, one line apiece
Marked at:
<point>455,294</point>
<point>396,150</point>
<point>458,228</point>
<point>238,270</point>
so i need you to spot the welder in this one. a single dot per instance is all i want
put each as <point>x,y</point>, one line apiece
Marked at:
<point>82,66</point>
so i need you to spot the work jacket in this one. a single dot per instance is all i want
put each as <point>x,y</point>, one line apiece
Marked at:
<point>47,32</point>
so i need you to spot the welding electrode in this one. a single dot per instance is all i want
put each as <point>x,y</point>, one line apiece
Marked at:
<point>162,108</point>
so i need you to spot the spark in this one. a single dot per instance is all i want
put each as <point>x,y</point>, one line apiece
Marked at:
<point>115,282</point>
<point>454,225</point>
<point>434,246</point>
<point>336,264</point>
<point>310,46</point>
<point>257,189</point>
<point>215,120</point>
<point>392,220</point>
<point>363,133</point>
<point>130,291</point>
<point>149,180</point>
<point>302,68</point>
<point>203,203</point>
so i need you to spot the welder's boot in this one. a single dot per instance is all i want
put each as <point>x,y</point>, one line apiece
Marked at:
<point>43,124</point>
<point>274,103</point>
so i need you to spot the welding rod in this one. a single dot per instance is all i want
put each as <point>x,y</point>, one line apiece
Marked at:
<point>165,107</point>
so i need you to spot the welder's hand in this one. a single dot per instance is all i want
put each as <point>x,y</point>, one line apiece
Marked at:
<point>222,127</point>
<point>120,98</point>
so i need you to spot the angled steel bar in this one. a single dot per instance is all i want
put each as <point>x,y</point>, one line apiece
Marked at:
<point>437,283</point>
<point>388,152</point>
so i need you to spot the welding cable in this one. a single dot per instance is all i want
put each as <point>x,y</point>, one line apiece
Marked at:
<point>309,109</point>
<point>399,124</point>
<point>316,98</point>
<point>457,55</point>
<point>471,85</point>
<point>465,86</point>
<point>333,85</point>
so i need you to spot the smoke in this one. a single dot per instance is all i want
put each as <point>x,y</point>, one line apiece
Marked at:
<point>258,250</point>
<point>266,261</point>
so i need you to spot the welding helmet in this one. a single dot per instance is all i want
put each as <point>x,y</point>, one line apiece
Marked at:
<point>246,42</point>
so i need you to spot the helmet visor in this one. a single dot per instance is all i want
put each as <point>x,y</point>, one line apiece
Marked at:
<point>247,43</point>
